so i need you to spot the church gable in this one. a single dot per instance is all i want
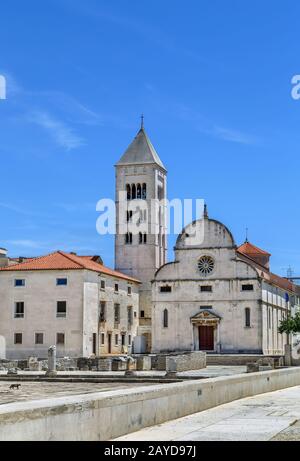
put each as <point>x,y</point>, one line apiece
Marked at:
<point>205,233</point>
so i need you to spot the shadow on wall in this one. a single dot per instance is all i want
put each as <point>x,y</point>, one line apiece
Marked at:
<point>2,347</point>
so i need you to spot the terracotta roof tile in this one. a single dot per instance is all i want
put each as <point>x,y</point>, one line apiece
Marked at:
<point>249,249</point>
<point>65,261</point>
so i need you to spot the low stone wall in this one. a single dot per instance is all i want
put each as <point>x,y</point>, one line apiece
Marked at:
<point>235,359</point>
<point>105,416</point>
<point>179,362</point>
<point>186,362</point>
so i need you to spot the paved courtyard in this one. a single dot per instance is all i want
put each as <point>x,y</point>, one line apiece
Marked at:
<point>46,390</point>
<point>272,416</point>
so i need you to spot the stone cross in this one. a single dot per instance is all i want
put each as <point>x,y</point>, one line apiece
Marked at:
<point>51,361</point>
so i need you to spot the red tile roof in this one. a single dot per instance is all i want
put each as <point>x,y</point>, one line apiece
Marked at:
<point>268,276</point>
<point>66,261</point>
<point>248,249</point>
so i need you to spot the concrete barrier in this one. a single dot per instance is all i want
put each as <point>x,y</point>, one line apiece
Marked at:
<point>105,416</point>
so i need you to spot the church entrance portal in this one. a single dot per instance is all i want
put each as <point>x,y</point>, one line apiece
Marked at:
<point>206,338</point>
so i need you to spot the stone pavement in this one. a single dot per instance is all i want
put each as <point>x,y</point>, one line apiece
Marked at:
<point>48,390</point>
<point>212,371</point>
<point>272,416</point>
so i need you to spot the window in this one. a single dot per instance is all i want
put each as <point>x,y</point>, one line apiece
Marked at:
<point>129,290</point>
<point>142,314</point>
<point>60,339</point>
<point>247,287</point>
<point>19,283</point>
<point>144,191</point>
<point>247,317</point>
<point>116,288</point>
<point>206,307</point>
<point>129,340</point>
<point>39,338</point>
<point>128,190</point>
<point>128,238</point>
<point>102,311</point>
<point>142,238</point>
<point>133,192</point>
<point>19,310</point>
<point>123,339</point>
<point>117,313</point>
<point>61,309</point>
<point>102,339</point>
<point>138,191</point>
<point>135,314</point>
<point>166,318</point>
<point>129,215</point>
<point>166,289</point>
<point>116,340</point>
<point>206,265</point>
<point>18,338</point>
<point>61,282</point>
<point>129,313</point>
<point>102,285</point>
<point>206,289</point>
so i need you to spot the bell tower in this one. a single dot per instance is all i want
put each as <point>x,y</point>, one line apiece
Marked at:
<point>141,220</point>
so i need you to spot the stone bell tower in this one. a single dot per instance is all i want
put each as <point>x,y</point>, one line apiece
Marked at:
<point>141,221</point>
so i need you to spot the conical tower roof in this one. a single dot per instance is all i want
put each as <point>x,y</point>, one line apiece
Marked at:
<point>141,151</point>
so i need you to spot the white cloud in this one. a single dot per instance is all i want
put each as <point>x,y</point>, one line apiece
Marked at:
<point>62,134</point>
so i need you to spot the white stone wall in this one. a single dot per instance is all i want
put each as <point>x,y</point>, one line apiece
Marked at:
<point>82,293</point>
<point>141,261</point>
<point>110,297</point>
<point>227,299</point>
<point>40,296</point>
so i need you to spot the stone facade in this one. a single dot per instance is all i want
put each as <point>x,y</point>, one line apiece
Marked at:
<point>221,303</point>
<point>141,169</point>
<point>86,331</point>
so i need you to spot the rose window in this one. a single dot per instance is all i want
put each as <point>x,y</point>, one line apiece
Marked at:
<point>206,265</point>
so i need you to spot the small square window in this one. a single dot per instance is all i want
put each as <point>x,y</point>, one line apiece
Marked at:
<point>18,338</point>
<point>60,339</point>
<point>102,285</point>
<point>39,338</point>
<point>61,311</point>
<point>61,282</point>
<point>19,283</point>
<point>206,289</point>
<point>247,287</point>
<point>166,289</point>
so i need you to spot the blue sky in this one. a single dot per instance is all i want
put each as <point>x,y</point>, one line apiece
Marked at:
<point>213,79</point>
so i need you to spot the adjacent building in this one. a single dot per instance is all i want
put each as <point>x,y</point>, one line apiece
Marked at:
<point>72,301</point>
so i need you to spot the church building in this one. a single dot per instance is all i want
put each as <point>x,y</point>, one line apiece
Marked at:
<point>218,297</point>
<point>215,296</point>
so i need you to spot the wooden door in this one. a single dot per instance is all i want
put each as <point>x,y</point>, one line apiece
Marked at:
<point>206,338</point>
